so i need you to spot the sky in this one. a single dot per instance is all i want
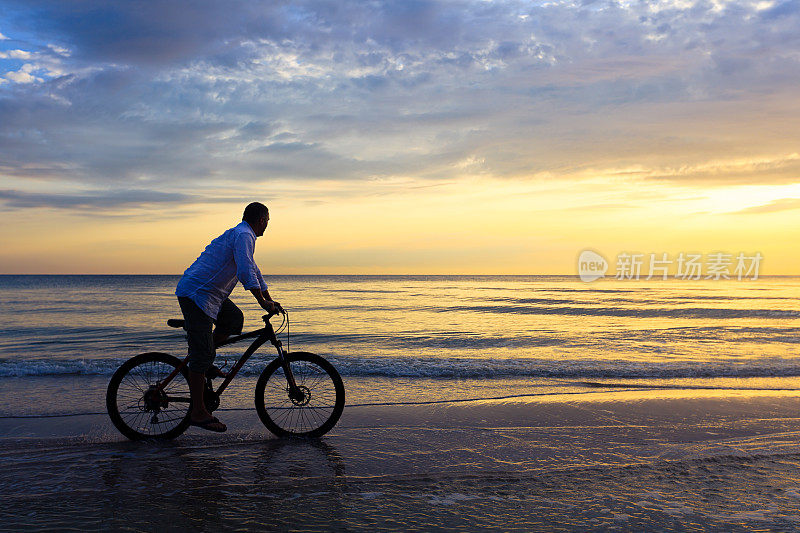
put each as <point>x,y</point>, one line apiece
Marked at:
<point>398,137</point>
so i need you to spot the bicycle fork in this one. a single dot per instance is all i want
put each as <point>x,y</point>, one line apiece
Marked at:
<point>295,393</point>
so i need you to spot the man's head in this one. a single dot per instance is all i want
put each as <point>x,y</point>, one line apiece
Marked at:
<point>257,215</point>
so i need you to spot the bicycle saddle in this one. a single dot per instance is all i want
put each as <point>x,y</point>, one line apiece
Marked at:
<point>175,322</point>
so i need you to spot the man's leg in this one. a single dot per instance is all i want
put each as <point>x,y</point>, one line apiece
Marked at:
<point>198,327</point>
<point>230,321</point>
<point>197,386</point>
<point>220,336</point>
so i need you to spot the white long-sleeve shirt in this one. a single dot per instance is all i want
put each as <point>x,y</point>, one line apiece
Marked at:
<point>213,275</point>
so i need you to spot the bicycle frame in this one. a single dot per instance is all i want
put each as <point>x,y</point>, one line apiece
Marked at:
<point>262,335</point>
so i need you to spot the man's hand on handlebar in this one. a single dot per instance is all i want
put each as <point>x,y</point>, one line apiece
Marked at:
<point>271,307</point>
<point>268,304</point>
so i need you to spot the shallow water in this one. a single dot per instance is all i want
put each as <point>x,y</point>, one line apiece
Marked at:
<point>652,464</point>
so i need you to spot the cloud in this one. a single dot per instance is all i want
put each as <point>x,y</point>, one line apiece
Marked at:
<point>784,168</point>
<point>3,37</point>
<point>60,50</point>
<point>168,94</point>
<point>784,204</point>
<point>15,54</point>
<point>152,33</point>
<point>23,75</point>
<point>45,64</point>
<point>781,10</point>
<point>92,200</point>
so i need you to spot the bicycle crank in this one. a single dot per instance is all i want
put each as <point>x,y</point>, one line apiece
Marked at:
<point>210,397</point>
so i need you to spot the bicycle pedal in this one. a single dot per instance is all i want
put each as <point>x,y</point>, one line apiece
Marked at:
<point>214,372</point>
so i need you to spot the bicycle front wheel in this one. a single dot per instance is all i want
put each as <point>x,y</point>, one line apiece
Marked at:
<point>139,408</point>
<point>311,415</point>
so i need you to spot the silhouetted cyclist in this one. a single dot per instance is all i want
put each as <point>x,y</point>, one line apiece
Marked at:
<point>203,296</point>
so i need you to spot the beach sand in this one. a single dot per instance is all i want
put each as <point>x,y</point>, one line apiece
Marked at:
<point>606,459</point>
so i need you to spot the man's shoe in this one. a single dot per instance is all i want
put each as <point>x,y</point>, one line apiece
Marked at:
<point>211,424</point>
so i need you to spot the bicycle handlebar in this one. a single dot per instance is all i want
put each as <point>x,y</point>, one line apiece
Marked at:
<point>270,315</point>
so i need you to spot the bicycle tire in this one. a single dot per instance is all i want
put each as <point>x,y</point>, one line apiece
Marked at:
<point>322,407</point>
<point>127,403</point>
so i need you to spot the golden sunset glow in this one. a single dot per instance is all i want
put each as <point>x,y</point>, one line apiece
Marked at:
<point>469,226</point>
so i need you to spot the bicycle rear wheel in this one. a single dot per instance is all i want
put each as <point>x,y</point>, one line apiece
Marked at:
<point>138,408</point>
<point>312,415</point>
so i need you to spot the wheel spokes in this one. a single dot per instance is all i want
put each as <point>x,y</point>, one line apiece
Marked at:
<point>165,410</point>
<point>314,410</point>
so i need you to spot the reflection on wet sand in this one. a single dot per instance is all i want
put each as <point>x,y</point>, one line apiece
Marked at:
<point>658,463</point>
<point>196,485</point>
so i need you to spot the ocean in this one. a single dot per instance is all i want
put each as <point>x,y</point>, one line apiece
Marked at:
<point>473,402</point>
<point>427,326</point>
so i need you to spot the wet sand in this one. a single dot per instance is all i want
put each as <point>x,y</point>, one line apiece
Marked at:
<point>653,460</point>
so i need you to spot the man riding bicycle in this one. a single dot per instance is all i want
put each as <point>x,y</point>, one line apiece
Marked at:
<point>203,293</point>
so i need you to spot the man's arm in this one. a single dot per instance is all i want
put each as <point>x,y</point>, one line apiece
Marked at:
<point>249,275</point>
<point>264,300</point>
<point>264,288</point>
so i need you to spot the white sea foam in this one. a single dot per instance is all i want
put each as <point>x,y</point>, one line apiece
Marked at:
<point>405,367</point>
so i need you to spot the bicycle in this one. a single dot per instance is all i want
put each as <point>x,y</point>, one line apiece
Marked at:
<point>298,394</point>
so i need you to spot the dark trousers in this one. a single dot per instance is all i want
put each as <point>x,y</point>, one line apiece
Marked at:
<point>199,330</point>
